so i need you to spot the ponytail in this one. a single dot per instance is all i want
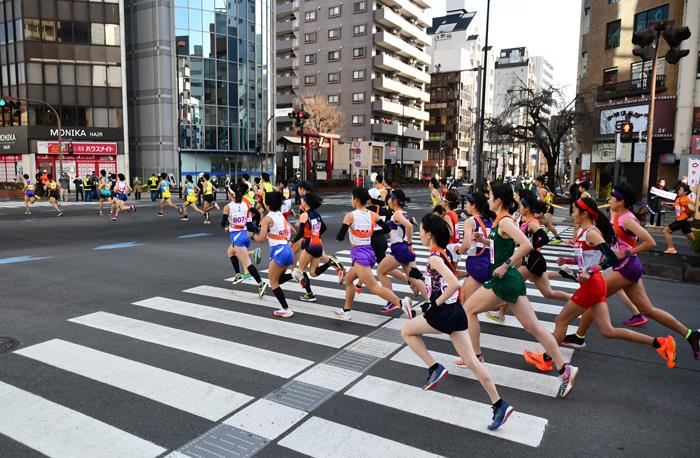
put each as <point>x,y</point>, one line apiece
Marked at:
<point>589,206</point>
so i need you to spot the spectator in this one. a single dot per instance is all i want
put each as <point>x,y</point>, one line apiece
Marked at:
<point>78,183</point>
<point>655,203</point>
<point>136,186</point>
<point>153,187</point>
<point>88,188</point>
<point>44,178</point>
<point>64,181</point>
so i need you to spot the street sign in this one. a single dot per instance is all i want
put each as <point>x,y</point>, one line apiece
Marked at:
<point>358,164</point>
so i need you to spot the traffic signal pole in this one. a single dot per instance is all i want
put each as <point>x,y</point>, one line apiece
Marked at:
<point>650,123</point>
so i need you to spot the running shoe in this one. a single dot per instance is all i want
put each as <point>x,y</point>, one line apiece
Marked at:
<point>132,208</point>
<point>389,307</point>
<point>308,297</point>
<point>413,221</point>
<point>636,320</point>
<point>460,362</point>
<point>27,213</point>
<point>283,313</point>
<point>238,278</point>
<point>494,317</point>
<point>670,251</point>
<point>206,221</point>
<point>537,360</point>
<point>434,377</point>
<point>567,380</point>
<point>342,314</point>
<point>574,341</point>
<point>667,350</point>
<point>407,307</point>
<point>298,276</point>
<point>261,288</point>
<point>114,218</point>
<point>159,214</point>
<point>256,256</point>
<point>565,272</point>
<point>335,263</point>
<point>694,341</point>
<point>179,210</point>
<point>99,213</point>
<point>341,275</point>
<point>246,276</point>
<point>60,214</point>
<point>500,415</point>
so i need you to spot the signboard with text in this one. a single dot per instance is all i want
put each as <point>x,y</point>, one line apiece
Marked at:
<point>611,119</point>
<point>78,148</point>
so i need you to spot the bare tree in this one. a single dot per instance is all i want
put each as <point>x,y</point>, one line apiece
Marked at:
<point>325,117</point>
<point>542,117</point>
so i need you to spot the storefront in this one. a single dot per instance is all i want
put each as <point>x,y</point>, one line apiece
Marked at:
<point>85,158</point>
<point>13,148</point>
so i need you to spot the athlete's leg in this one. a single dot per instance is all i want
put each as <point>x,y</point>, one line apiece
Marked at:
<point>668,235</point>
<point>601,315</point>
<point>388,264</point>
<point>350,277</point>
<point>461,342</point>
<point>411,333</point>
<point>481,300</point>
<point>545,288</point>
<point>637,294</point>
<point>365,275</point>
<point>568,313</point>
<point>522,309</point>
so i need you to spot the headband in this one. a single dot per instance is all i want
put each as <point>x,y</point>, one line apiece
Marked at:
<point>582,205</point>
<point>471,199</point>
<point>617,194</point>
<point>525,203</point>
<point>394,196</point>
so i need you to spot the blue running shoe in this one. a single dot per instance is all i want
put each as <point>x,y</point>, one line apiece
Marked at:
<point>389,307</point>
<point>500,415</point>
<point>434,377</point>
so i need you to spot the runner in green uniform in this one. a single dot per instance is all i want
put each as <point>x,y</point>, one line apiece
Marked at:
<point>508,285</point>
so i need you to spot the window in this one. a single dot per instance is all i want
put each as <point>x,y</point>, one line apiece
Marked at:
<point>334,11</point>
<point>358,52</point>
<point>82,75</point>
<point>641,72</point>
<point>310,37</point>
<point>50,74</point>
<point>358,97</point>
<point>334,77</point>
<point>611,2</point>
<point>583,65</point>
<point>586,21</point>
<point>48,30</point>
<point>309,58</point>
<point>112,37</point>
<point>99,75</point>
<point>646,18</point>
<point>334,56</point>
<point>81,32</point>
<point>309,80</point>
<point>334,34</point>
<point>64,31</point>
<point>114,76</point>
<point>612,36</point>
<point>310,16</point>
<point>610,78</point>
<point>359,29</point>
<point>34,74</point>
<point>97,34</point>
<point>334,99</point>
<point>358,75</point>
<point>68,74</point>
<point>359,7</point>
<point>32,29</point>
<point>358,120</point>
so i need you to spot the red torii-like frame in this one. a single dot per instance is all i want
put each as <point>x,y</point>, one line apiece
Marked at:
<point>307,148</point>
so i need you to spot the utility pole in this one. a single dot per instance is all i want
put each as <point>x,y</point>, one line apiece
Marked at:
<point>480,149</point>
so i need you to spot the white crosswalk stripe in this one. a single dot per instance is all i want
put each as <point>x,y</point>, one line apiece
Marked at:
<point>234,311</point>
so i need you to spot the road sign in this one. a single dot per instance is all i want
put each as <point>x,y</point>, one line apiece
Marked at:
<point>358,164</point>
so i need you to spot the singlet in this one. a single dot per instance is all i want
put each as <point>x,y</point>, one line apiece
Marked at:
<point>312,229</point>
<point>436,284</point>
<point>524,226</point>
<point>362,227</point>
<point>501,248</point>
<point>105,183</point>
<point>483,227</point>
<point>280,231</point>
<point>250,197</point>
<point>455,226</point>
<point>238,215</point>
<point>381,215</point>
<point>682,209</point>
<point>587,255</point>
<point>28,186</point>
<point>397,232</point>
<point>208,188</point>
<point>189,189</point>
<point>435,196</point>
<point>121,187</point>
<point>165,186</point>
<point>53,185</point>
<point>286,193</point>
<point>626,240</point>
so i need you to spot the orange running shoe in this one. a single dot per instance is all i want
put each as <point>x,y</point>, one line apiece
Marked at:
<point>667,350</point>
<point>537,360</point>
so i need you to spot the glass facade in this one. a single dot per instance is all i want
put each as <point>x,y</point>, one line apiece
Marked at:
<point>223,49</point>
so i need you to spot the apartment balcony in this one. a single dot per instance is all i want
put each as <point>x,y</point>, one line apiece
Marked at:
<point>389,18</point>
<point>397,130</point>
<point>409,9</point>
<point>284,99</point>
<point>287,45</point>
<point>411,154</point>
<point>629,88</point>
<point>286,81</point>
<point>284,63</point>
<point>398,109</point>
<point>401,47</point>
<point>423,3</point>
<point>287,27</point>
<point>384,83</point>
<point>415,133</point>
<point>392,64</point>
<point>285,9</point>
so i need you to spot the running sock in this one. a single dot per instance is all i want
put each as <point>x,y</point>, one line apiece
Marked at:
<point>580,337</point>
<point>497,404</point>
<point>656,343</point>
<point>284,278</point>
<point>434,367</point>
<point>253,271</point>
<point>546,357</point>
<point>563,369</point>
<point>687,336</point>
<point>322,268</point>
<point>234,263</point>
<point>308,283</point>
<point>279,294</point>
<point>345,310</point>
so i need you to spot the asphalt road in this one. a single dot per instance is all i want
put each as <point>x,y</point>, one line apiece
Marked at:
<point>118,358</point>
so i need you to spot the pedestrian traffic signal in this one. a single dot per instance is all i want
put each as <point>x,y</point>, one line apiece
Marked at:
<point>3,102</point>
<point>644,39</point>
<point>674,36</point>
<point>627,132</point>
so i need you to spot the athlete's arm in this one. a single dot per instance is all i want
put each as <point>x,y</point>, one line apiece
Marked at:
<point>646,241</point>
<point>400,219</point>
<point>264,226</point>
<point>540,237</point>
<point>609,258</point>
<point>347,221</point>
<point>383,224</point>
<point>508,227</point>
<point>224,218</point>
<point>450,224</point>
<point>438,264</point>
<point>468,233</point>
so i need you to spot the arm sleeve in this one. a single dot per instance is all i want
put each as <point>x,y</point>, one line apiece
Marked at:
<point>224,220</point>
<point>342,232</point>
<point>254,212</point>
<point>300,232</point>
<point>324,228</point>
<point>609,257</point>
<point>384,226</point>
<point>540,239</point>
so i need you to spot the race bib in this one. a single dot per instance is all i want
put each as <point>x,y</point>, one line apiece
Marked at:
<point>492,252</point>
<point>678,211</point>
<point>579,258</point>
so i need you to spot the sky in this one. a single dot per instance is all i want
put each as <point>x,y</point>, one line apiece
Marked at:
<point>548,28</point>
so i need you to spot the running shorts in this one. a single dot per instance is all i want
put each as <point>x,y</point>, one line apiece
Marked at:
<point>240,239</point>
<point>591,292</point>
<point>402,253</point>
<point>363,255</point>
<point>209,198</point>
<point>447,318</point>
<point>122,196</point>
<point>166,194</point>
<point>55,194</point>
<point>682,225</point>
<point>313,247</point>
<point>105,194</point>
<point>282,255</point>
<point>191,199</point>
<point>630,268</point>
<point>509,287</point>
<point>536,264</point>
<point>29,193</point>
<point>478,267</point>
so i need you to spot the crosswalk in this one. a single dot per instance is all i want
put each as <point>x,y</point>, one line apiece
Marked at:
<point>308,360</point>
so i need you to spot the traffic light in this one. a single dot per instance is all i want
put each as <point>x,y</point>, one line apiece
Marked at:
<point>626,132</point>
<point>299,116</point>
<point>674,36</point>
<point>3,102</point>
<point>644,39</point>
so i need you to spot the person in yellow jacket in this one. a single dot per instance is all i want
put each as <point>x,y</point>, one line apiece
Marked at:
<point>153,187</point>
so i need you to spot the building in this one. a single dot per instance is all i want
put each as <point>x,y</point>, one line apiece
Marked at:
<point>199,87</point>
<point>455,93</point>
<point>69,55</point>
<point>613,83</point>
<point>366,57</point>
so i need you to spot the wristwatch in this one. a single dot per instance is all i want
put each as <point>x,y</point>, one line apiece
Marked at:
<point>508,262</point>
<point>628,253</point>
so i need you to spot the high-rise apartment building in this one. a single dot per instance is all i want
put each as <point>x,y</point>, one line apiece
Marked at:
<point>199,86</point>
<point>69,55</point>
<point>366,57</point>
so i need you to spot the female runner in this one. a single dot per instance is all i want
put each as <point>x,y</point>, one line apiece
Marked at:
<point>122,189</point>
<point>104,185</point>
<point>190,192</point>
<point>29,194</point>
<point>234,221</point>
<point>546,196</point>
<point>54,193</point>
<point>164,187</point>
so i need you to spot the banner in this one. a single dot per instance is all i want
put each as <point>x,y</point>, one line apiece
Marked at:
<point>664,194</point>
<point>78,148</point>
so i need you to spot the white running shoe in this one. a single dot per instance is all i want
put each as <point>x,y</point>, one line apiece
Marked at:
<point>342,314</point>
<point>298,276</point>
<point>283,313</point>
<point>495,317</point>
<point>407,307</point>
